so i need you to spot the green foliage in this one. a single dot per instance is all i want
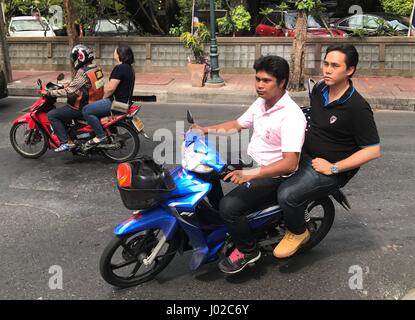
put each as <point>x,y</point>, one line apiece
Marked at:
<point>24,7</point>
<point>241,18</point>
<point>176,31</point>
<point>359,32</point>
<point>384,29</point>
<point>196,42</point>
<point>307,5</point>
<point>283,6</point>
<point>237,20</point>
<point>267,12</point>
<point>401,7</point>
<point>225,25</point>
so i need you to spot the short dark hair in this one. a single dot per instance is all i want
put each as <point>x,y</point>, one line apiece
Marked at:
<point>274,65</point>
<point>125,54</point>
<point>352,56</point>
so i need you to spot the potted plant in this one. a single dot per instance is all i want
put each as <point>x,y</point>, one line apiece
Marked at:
<point>196,43</point>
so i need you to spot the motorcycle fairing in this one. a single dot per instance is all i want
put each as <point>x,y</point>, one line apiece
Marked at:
<point>189,190</point>
<point>157,218</point>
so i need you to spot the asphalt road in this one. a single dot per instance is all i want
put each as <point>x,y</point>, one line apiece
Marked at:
<point>60,210</point>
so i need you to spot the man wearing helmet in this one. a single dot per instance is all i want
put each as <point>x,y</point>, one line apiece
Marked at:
<point>86,86</point>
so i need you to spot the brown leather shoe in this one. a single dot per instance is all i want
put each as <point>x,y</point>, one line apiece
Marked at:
<point>290,244</point>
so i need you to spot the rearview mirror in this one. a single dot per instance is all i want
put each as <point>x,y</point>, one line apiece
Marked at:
<point>60,77</point>
<point>310,85</point>
<point>190,117</point>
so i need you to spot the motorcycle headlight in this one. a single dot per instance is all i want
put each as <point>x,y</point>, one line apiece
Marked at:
<point>192,160</point>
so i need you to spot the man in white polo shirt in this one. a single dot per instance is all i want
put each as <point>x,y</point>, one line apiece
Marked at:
<point>278,135</point>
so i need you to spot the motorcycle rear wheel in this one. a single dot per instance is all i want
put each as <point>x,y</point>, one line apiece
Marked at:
<point>127,252</point>
<point>32,149</point>
<point>319,225</point>
<point>130,143</point>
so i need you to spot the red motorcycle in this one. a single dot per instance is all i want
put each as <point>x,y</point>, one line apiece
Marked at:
<point>31,134</point>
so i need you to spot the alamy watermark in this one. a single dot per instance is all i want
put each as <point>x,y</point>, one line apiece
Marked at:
<point>230,144</point>
<point>56,280</point>
<point>357,278</point>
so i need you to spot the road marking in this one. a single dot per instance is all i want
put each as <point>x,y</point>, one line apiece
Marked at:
<point>29,206</point>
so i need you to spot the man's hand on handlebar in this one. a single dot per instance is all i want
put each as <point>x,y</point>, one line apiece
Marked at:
<point>196,127</point>
<point>44,92</point>
<point>240,176</point>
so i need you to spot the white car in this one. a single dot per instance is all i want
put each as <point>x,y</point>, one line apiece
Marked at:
<point>28,26</point>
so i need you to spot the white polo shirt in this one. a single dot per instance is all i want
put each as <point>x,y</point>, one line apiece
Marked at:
<point>277,130</point>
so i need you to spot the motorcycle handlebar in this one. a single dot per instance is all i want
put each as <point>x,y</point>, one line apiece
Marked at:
<point>233,167</point>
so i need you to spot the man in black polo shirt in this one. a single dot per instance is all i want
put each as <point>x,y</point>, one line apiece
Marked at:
<point>340,137</point>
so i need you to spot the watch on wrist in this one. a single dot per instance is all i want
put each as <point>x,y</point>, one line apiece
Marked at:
<point>334,168</point>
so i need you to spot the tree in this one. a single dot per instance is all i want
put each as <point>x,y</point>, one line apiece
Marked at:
<point>149,9</point>
<point>70,23</point>
<point>401,7</point>
<point>304,7</point>
<point>4,48</point>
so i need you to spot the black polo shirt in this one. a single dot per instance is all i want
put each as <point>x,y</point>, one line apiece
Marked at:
<point>337,130</point>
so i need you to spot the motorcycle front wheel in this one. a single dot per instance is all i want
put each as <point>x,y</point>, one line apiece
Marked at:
<point>128,140</point>
<point>29,143</point>
<point>122,262</point>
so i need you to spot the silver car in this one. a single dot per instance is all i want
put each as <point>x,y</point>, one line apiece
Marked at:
<point>370,22</point>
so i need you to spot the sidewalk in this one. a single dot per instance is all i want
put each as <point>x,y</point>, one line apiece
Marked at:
<point>386,93</point>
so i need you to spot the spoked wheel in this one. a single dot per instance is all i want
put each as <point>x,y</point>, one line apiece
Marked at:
<point>321,214</point>
<point>128,143</point>
<point>122,262</point>
<point>29,143</point>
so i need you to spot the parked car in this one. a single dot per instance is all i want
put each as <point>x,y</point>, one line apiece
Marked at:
<point>28,26</point>
<point>370,22</point>
<point>282,24</point>
<point>3,84</point>
<point>110,27</point>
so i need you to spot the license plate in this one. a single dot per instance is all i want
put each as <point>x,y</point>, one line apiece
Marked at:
<point>138,124</point>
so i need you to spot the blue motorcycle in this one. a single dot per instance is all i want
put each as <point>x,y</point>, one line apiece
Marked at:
<point>183,216</point>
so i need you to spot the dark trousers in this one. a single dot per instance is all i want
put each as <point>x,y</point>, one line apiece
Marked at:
<point>58,117</point>
<point>303,186</point>
<point>241,201</point>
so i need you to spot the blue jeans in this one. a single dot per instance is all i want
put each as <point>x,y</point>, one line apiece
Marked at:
<point>304,186</point>
<point>57,118</point>
<point>95,110</point>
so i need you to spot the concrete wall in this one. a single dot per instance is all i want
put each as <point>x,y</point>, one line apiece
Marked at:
<point>386,56</point>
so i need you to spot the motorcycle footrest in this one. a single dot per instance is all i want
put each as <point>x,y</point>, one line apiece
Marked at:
<point>108,146</point>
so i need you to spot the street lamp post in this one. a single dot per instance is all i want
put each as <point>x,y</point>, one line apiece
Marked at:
<point>215,79</point>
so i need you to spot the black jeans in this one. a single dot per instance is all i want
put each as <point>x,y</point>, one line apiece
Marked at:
<point>57,118</point>
<point>304,186</point>
<point>241,201</point>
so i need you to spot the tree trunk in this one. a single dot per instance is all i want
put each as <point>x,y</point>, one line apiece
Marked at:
<point>5,48</point>
<point>151,17</point>
<point>70,23</point>
<point>298,53</point>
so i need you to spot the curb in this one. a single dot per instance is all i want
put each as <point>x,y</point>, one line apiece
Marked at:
<point>243,98</point>
<point>410,295</point>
